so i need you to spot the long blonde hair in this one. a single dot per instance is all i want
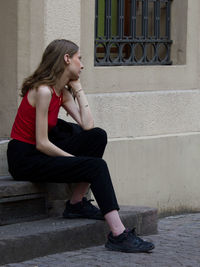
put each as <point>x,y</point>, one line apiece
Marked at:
<point>51,66</point>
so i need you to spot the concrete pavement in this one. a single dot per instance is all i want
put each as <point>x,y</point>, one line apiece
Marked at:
<point>177,244</point>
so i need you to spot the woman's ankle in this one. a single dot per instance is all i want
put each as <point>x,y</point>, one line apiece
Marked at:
<point>114,222</point>
<point>75,201</point>
<point>117,232</point>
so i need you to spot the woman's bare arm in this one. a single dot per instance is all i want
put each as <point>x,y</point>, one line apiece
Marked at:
<point>79,111</point>
<point>42,101</point>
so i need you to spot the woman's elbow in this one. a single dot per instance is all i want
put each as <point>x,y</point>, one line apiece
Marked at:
<point>40,145</point>
<point>89,125</point>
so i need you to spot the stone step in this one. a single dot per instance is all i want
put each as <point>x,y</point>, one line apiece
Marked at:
<point>29,193</point>
<point>21,201</point>
<point>24,241</point>
<point>3,158</point>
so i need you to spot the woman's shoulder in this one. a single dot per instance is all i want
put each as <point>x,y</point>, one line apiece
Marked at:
<point>44,90</point>
<point>43,95</point>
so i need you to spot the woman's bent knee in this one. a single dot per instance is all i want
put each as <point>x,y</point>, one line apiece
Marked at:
<point>99,134</point>
<point>99,163</point>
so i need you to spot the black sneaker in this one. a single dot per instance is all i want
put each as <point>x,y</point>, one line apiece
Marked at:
<point>83,209</point>
<point>128,241</point>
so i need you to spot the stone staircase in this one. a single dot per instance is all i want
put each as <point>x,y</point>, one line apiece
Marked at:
<point>19,201</point>
<point>31,224</point>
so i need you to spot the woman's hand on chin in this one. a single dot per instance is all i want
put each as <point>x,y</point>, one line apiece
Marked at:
<point>75,84</point>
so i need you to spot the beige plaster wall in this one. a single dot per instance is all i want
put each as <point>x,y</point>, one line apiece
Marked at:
<point>62,20</point>
<point>179,34</point>
<point>144,78</point>
<point>136,114</point>
<point>161,171</point>
<point>30,38</point>
<point>8,69</point>
<point>146,100</point>
<point>150,114</point>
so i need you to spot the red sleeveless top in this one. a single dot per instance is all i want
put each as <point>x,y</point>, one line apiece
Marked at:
<point>24,125</point>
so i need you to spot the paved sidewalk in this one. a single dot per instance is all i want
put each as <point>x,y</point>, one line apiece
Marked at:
<point>177,244</point>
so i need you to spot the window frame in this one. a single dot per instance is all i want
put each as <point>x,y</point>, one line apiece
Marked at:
<point>110,50</point>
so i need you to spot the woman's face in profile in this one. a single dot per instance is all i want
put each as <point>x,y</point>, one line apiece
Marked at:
<point>75,66</point>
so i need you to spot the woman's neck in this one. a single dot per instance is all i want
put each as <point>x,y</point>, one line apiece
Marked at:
<point>61,82</point>
<point>58,88</point>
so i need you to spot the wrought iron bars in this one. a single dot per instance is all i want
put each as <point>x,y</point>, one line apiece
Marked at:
<point>129,32</point>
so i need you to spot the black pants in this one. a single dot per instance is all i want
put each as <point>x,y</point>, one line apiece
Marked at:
<point>26,163</point>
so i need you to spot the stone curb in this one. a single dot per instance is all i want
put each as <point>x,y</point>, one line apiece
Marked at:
<point>10,187</point>
<point>24,241</point>
<point>3,158</point>
<point>21,201</point>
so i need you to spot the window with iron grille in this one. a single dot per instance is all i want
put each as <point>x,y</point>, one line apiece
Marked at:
<point>132,32</point>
